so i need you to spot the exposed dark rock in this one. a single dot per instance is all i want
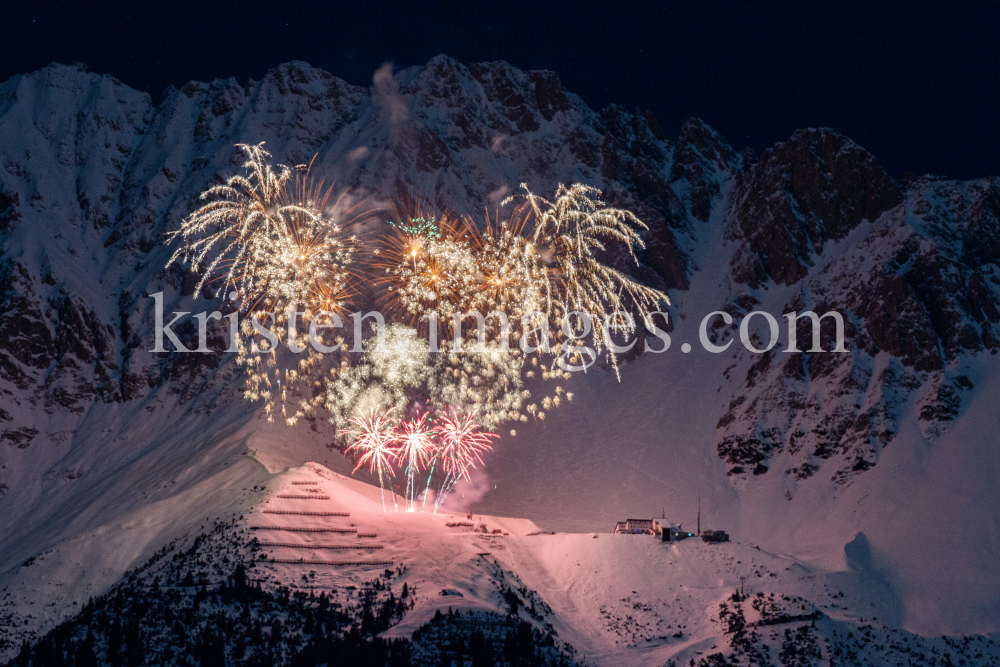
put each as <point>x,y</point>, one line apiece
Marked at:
<point>814,188</point>
<point>703,160</point>
<point>550,96</point>
<point>9,213</point>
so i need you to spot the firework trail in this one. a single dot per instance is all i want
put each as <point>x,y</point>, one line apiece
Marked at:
<point>430,476</point>
<point>571,230</point>
<point>375,438</point>
<point>414,441</point>
<point>462,446</point>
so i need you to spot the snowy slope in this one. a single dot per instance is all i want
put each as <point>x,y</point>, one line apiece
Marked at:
<point>603,599</point>
<point>616,599</point>
<point>108,451</point>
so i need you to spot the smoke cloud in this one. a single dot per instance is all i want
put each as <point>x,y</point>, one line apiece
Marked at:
<point>385,91</point>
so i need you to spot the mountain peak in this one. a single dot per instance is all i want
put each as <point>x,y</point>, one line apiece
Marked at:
<point>815,187</point>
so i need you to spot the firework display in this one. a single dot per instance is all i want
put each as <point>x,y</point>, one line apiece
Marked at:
<point>482,325</point>
<point>374,438</point>
<point>272,239</point>
<point>462,446</point>
<point>415,448</point>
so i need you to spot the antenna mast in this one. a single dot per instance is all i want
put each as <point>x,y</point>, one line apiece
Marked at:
<point>699,515</point>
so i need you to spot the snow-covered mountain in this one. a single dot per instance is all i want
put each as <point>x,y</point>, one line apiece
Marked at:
<point>108,451</point>
<point>316,573</point>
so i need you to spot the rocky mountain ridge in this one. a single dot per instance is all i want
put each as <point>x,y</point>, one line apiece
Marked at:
<point>94,174</point>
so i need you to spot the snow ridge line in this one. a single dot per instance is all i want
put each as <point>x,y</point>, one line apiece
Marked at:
<point>306,513</point>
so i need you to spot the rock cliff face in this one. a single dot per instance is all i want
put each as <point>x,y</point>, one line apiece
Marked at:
<point>94,174</point>
<point>814,188</point>
<point>910,268</point>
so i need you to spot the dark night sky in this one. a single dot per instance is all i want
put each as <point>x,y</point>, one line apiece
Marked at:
<point>918,84</point>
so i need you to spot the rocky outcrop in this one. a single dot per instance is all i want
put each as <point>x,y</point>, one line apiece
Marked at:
<point>814,188</point>
<point>703,161</point>
<point>919,289</point>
